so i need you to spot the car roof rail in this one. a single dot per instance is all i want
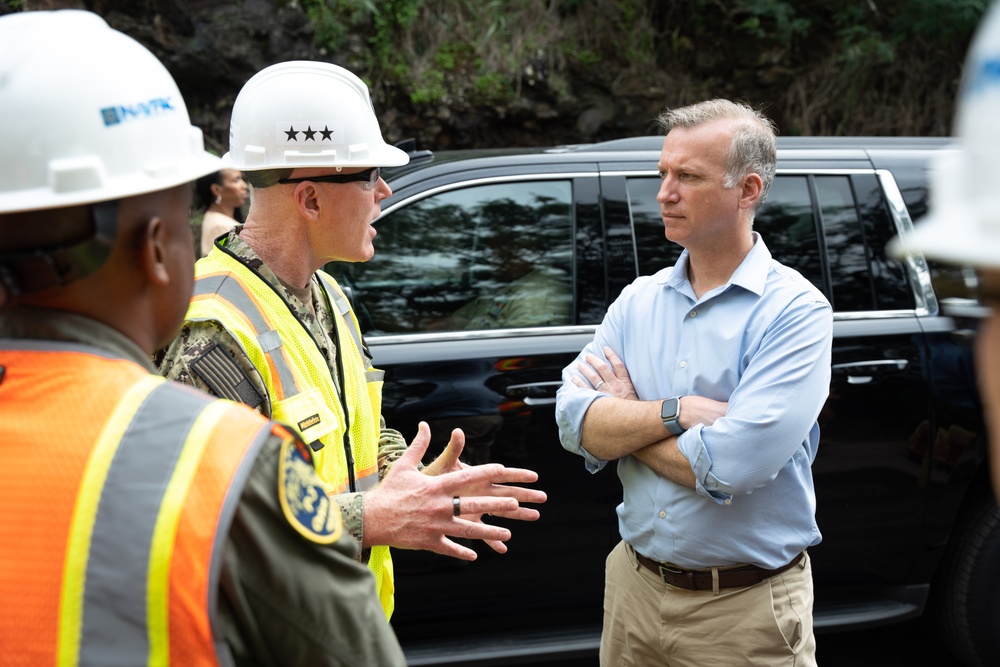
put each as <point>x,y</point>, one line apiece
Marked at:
<point>652,143</point>
<point>409,146</point>
<point>655,143</point>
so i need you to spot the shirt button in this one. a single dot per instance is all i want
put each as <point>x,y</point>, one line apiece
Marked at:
<point>729,501</point>
<point>663,515</point>
<point>694,313</point>
<point>684,364</point>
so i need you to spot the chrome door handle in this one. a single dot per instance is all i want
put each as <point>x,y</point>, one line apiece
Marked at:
<point>864,372</point>
<point>535,393</point>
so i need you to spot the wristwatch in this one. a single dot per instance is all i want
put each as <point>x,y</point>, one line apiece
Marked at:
<point>670,412</point>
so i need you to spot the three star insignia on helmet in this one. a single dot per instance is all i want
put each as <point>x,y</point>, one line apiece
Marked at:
<point>309,134</point>
<point>303,496</point>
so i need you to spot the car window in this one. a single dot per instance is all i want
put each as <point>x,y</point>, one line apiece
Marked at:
<point>482,257</point>
<point>848,253</point>
<point>890,281</point>
<point>785,221</point>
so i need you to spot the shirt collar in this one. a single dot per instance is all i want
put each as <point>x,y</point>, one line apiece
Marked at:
<point>751,274</point>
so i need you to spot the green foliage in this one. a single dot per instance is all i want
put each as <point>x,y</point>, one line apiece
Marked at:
<point>492,88</point>
<point>940,20</point>
<point>582,56</point>
<point>430,89</point>
<point>774,19</point>
<point>636,32</point>
<point>462,52</point>
<point>332,19</point>
<point>391,19</point>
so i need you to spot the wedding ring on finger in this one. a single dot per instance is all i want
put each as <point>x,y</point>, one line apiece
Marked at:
<point>456,505</point>
<point>597,387</point>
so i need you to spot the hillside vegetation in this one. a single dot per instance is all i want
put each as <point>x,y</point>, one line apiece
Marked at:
<point>474,73</point>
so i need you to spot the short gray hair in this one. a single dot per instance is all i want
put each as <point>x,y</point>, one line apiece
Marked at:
<point>752,150</point>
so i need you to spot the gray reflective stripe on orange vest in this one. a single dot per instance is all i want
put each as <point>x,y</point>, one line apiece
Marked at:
<point>268,339</point>
<point>115,616</point>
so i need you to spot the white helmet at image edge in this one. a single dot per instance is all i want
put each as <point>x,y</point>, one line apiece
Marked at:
<point>963,225</point>
<point>89,115</point>
<point>307,114</point>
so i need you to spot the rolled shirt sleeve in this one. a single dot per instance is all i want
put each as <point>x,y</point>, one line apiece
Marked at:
<point>572,402</point>
<point>772,412</point>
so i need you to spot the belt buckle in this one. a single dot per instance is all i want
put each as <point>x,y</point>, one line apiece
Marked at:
<point>675,572</point>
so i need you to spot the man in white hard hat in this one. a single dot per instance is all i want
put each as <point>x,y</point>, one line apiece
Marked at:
<point>141,522</point>
<point>963,226</point>
<point>268,328</point>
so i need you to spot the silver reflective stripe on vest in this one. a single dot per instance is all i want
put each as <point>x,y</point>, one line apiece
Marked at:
<point>367,483</point>
<point>114,618</point>
<point>269,340</point>
<point>226,514</point>
<point>344,309</point>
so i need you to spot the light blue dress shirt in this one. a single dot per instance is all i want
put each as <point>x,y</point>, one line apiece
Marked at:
<point>761,342</point>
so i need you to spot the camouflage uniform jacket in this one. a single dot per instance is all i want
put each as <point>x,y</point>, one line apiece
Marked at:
<point>199,338</point>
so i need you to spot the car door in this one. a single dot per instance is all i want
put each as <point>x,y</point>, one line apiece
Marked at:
<point>473,304</point>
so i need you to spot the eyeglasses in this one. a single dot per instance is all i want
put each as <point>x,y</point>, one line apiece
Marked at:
<point>369,178</point>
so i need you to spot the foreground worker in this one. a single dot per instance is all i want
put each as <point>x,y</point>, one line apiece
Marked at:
<point>142,522</point>
<point>963,225</point>
<point>268,328</point>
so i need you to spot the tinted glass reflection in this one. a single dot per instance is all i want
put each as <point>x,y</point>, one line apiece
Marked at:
<point>483,257</point>
<point>785,221</point>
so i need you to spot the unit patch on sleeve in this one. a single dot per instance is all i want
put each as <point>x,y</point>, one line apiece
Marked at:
<point>303,496</point>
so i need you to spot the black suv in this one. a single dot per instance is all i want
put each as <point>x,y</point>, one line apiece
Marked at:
<point>904,501</point>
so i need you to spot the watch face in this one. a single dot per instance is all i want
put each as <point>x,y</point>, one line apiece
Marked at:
<point>668,409</point>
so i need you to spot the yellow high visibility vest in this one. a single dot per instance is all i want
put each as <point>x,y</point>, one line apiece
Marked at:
<point>299,381</point>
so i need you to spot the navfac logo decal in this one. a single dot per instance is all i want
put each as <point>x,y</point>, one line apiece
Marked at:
<point>308,133</point>
<point>985,76</point>
<point>124,113</point>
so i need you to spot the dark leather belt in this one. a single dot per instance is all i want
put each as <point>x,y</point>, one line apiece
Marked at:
<point>701,580</point>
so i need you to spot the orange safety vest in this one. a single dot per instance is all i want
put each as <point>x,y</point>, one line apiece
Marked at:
<point>117,489</point>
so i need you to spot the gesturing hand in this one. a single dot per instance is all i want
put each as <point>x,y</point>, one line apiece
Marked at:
<point>413,510</point>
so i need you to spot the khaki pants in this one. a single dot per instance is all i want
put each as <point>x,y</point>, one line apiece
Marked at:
<point>649,623</point>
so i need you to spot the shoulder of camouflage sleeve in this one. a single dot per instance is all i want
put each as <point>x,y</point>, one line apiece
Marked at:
<point>221,372</point>
<point>203,356</point>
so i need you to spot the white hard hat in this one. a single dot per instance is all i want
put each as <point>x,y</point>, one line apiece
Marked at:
<point>963,225</point>
<point>307,114</point>
<point>89,115</point>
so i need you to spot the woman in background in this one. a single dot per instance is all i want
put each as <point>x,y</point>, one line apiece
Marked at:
<point>222,195</point>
